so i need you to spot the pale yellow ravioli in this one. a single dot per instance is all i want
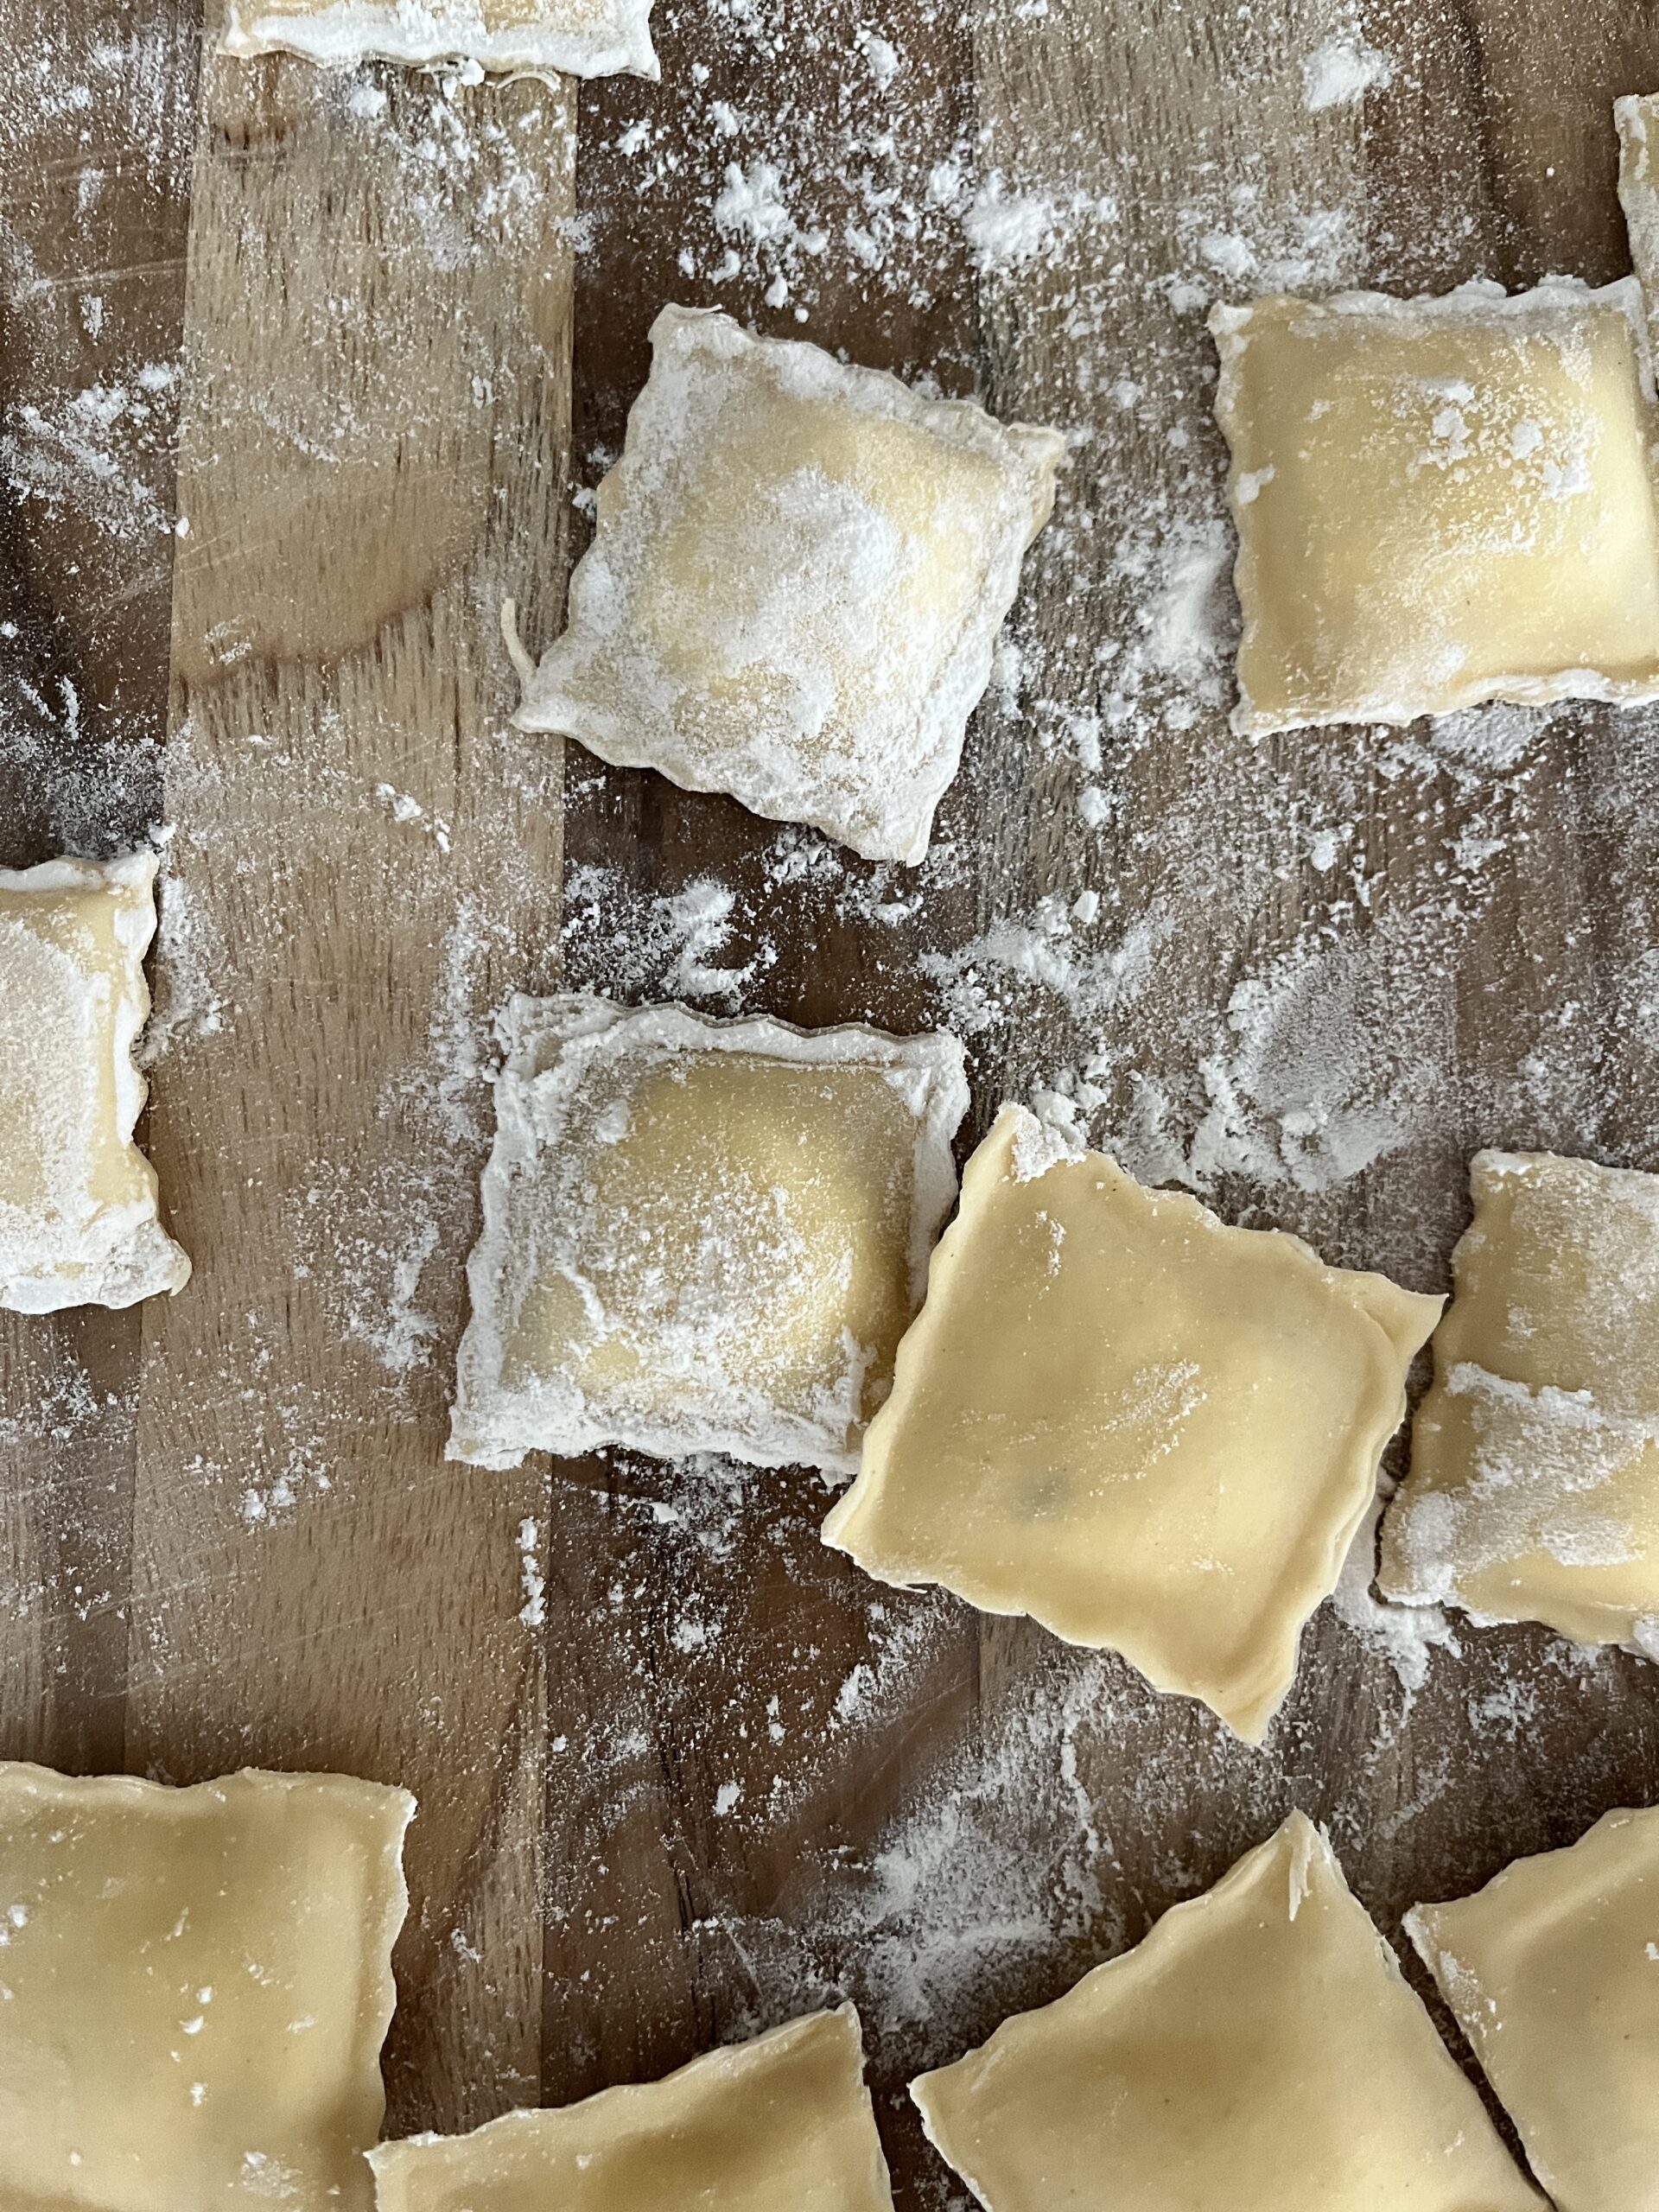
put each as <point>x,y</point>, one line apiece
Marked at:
<point>1553,1971</point>
<point>782,2124</point>
<point>1637,118</point>
<point>1147,1430</point>
<point>1534,1489</point>
<point>1259,2051</point>
<point>194,1986</point>
<point>795,582</point>
<point>79,1221</point>
<point>700,1235</point>
<point>1441,501</point>
<point>578,38</point>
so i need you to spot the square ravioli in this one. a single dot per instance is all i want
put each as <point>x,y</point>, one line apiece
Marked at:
<point>782,2121</point>
<point>1553,1972</point>
<point>1638,189</point>
<point>1441,501</point>
<point>700,1235</point>
<point>194,1986</point>
<point>576,38</point>
<point>1534,1489</point>
<point>1259,2049</point>
<point>795,584</point>
<point>1149,1431</point>
<point>79,1221</point>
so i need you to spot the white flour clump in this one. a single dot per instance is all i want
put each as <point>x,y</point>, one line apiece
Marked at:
<point>753,203</point>
<point>531,1581</point>
<point>1403,1635</point>
<point>1342,71</point>
<point>1002,227</point>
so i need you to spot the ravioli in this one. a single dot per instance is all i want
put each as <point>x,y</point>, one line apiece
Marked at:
<point>795,584</point>
<point>576,38</point>
<point>80,1223</point>
<point>194,1986</point>
<point>1553,1972</point>
<point>783,2120</point>
<point>1146,1430</point>
<point>1259,2049</point>
<point>1441,501</point>
<point>1534,1488</point>
<point>700,1235</point>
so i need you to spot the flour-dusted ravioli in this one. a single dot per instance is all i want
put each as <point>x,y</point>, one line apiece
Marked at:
<point>1553,1971</point>
<point>1260,2051</point>
<point>194,1986</point>
<point>782,2124</point>
<point>79,1225</point>
<point>1149,1431</point>
<point>796,584</point>
<point>1441,501</point>
<point>1534,1489</point>
<point>576,38</point>
<point>1638,190</point>
<point>700,1235</point>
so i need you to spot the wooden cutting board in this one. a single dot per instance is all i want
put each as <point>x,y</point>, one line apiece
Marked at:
<point>302,376</point>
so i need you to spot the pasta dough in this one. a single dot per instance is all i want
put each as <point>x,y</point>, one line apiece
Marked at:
<point>1145,1429</point>
<point>783,2121</point>
<point>796,584</point>
<point>1553,1971</point>
<point>79,1225</point>
<point>194,1984</point>
<point>1441,501</point>
<point>1638,190</point>
<point>577,38</point>
<point>1260,2051</point>
<point>700,1235</point>
<point>1534,1489</point>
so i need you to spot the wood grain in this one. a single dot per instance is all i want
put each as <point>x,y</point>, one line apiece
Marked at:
<point>733,1777</point>
<point>93,205</point>
<point>375,363</point>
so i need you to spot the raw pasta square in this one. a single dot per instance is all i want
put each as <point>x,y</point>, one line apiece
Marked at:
<point>1534,1489</point>
<point>796,584</point>
<point>1146,1430</point>
<point>1441,501</point>
<point>1638,189</point>
<point>1553,1971</point>
<point>784,2121</point>
<point>79,1224</point>
<point>1260,2051</point>
<point>576,38</point>
<point>194,1986</point>
<point>700,1235</point>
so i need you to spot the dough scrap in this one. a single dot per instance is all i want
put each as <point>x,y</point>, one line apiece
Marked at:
<point>542,38</point>
<point>795,587</point>
<point>1637,118</point>
<point>1149,1431</point>
<point>783,2121</point>
<point>1534,1489</point>
<point>1261,2049</point>
<point>700,1235</point>
<point>79,1223</point>
<point>194,1986</point>
<point>1553,1972</point>
<point>1441,501</point>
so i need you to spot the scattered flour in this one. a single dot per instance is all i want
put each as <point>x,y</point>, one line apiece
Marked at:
<point>653,947</point>
<point>1183,948</point>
